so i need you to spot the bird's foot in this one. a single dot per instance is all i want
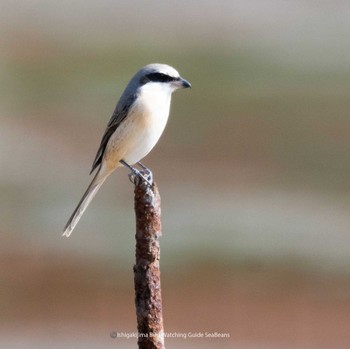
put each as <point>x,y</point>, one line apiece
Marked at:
<point>145,174</point>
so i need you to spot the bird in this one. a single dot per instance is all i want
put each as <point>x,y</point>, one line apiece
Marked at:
<point>134,128</point>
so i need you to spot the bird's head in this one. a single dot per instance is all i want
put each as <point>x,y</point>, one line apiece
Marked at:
<point>163,75</point>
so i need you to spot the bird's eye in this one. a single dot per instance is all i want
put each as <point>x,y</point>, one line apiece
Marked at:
<point>157,77</point>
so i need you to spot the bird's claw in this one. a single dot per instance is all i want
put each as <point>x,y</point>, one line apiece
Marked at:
<point>144,175</point>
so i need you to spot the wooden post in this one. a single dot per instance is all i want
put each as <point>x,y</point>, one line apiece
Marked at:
<point>148,299</point>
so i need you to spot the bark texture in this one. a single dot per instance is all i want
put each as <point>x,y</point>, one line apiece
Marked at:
<point>148,299</point>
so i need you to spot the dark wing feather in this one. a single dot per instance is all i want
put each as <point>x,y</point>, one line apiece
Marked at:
<point>118,116</point>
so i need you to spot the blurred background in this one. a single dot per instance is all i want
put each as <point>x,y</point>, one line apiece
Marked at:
<point>253,170</point>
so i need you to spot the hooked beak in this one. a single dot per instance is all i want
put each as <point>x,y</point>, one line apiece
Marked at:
<point>185,83</point>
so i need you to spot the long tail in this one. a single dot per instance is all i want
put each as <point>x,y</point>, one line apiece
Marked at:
<point>91,191</point>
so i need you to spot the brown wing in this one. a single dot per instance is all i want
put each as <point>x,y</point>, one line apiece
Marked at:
<point>118,116</point>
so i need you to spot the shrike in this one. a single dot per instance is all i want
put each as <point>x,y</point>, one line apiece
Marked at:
<point>134,129</point>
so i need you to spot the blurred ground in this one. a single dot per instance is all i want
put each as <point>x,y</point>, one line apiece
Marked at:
<point>76,302</point>
<point>253,172</point>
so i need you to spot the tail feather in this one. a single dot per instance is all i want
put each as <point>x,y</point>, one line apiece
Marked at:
<point>91,191</point>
